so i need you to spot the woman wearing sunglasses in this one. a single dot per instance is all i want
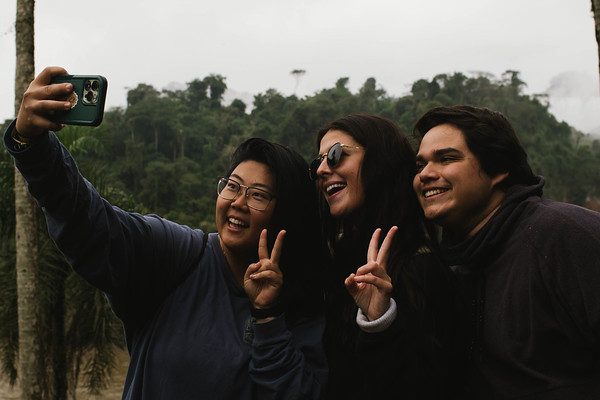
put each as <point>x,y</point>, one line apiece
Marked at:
<point>389,301</point>
<point>227,315</point>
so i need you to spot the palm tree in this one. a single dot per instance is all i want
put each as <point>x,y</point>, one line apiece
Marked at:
<point>297,74</point>
<point>55,343</point>
<point>78,333</point>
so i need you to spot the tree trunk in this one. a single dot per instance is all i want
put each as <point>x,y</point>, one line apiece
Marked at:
<point>31,369</point>
<point>596,12</point>
<point>57,339</point>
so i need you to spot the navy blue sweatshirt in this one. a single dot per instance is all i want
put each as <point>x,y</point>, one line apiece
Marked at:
<point>187,322</point>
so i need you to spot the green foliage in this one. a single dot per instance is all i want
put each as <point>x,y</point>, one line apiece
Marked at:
<point>92,333</point>
<point>166,149</point>
<point>68,317</point>
<point>164,152</point>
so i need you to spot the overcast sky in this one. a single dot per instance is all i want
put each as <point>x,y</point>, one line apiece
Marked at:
<point>255,44</point>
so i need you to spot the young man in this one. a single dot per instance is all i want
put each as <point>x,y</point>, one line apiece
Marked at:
<point>528,267</point>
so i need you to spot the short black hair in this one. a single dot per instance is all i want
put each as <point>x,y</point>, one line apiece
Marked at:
<point>296,211</point>
<point>490,137</point>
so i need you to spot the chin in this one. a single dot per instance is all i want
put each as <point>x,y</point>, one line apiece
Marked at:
<point>439,218</point>
<point>333,214</point>
<point>434,217</point>
<point>344,212</point>
<point>336,212</point>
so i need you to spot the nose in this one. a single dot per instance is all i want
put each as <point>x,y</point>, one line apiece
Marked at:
<point>428,172</point>
<point>240,198</point>
<point>323,168</point>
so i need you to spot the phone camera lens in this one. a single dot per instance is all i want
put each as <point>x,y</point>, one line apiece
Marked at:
<point>87,85</point>
<point>95,85</point>
<point>89,96</point>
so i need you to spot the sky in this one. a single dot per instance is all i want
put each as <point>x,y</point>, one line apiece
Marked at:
<point>256,44</point>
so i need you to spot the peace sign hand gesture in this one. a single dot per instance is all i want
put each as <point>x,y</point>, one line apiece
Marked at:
<point>371,286</point>
<point>263,280</point>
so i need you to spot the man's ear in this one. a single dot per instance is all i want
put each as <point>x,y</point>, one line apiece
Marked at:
<point>498,179</point>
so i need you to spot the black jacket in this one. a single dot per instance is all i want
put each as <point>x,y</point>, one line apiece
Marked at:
<point>532,280</point>
<point>418,357</point>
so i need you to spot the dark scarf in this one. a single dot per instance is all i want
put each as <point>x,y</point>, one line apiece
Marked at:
<point>474,251</point>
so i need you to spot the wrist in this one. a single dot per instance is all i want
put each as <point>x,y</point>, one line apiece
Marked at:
<point>19,142</point>
<point>16,136</point>
<point>274,310</point>
<point>381,323</point>
<point>264,320</point>
<point>375,315</point>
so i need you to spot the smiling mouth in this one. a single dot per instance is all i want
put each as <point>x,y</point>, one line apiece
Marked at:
<point>236,223</point>
<point>433,192</point>
<point>334,188</point>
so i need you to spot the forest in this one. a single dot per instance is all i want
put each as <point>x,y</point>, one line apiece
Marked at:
<point>163,152</point>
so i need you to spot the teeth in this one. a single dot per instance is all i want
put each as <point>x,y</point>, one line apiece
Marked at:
<point>331,188</point>
<point>235,221</point>
<point>433,192</point>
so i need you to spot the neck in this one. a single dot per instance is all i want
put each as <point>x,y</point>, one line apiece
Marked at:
<point>471,229</point>
<point>483,221</point>
<point>237,264</point>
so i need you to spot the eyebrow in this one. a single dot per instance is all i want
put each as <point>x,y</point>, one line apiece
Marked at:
<point>255,184</point>
<point>441,152</point>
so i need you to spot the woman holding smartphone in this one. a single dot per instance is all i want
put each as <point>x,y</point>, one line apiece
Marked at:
<point>389,301</point>
<point>229,315</point>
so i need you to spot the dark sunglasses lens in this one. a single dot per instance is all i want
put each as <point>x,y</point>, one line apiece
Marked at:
<point>314,166</point>
<point>333,158</point>
<point>334,155</point>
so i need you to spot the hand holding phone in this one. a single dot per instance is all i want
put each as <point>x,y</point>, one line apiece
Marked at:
<point>87,100</point>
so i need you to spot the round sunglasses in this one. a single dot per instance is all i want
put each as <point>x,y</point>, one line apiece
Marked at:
<point>333,157</point>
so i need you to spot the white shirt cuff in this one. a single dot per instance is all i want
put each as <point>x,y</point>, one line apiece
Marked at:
<point>381,323</point>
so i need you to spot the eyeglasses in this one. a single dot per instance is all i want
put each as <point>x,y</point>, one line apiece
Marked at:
<point>256,198</point>
<point>334,155</point>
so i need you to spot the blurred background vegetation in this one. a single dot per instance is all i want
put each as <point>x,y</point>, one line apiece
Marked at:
<point>163,152</point>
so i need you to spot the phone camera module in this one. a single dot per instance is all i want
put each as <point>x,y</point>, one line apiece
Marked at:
<point>90,89</point>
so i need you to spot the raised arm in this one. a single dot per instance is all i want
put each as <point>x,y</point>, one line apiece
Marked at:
<point>287,363</point>
<point>135,259</point>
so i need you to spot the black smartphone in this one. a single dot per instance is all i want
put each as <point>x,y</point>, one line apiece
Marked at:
<point>87,100</point>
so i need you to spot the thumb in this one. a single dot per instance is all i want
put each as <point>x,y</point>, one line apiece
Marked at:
<point>252,268</point>
<point>351,285</point>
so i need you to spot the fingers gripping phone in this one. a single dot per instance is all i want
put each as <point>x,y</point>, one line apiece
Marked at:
<point>87,100</point>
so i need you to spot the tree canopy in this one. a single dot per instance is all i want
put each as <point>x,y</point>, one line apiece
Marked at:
<point>163,152</point>
<point>166,149</point>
